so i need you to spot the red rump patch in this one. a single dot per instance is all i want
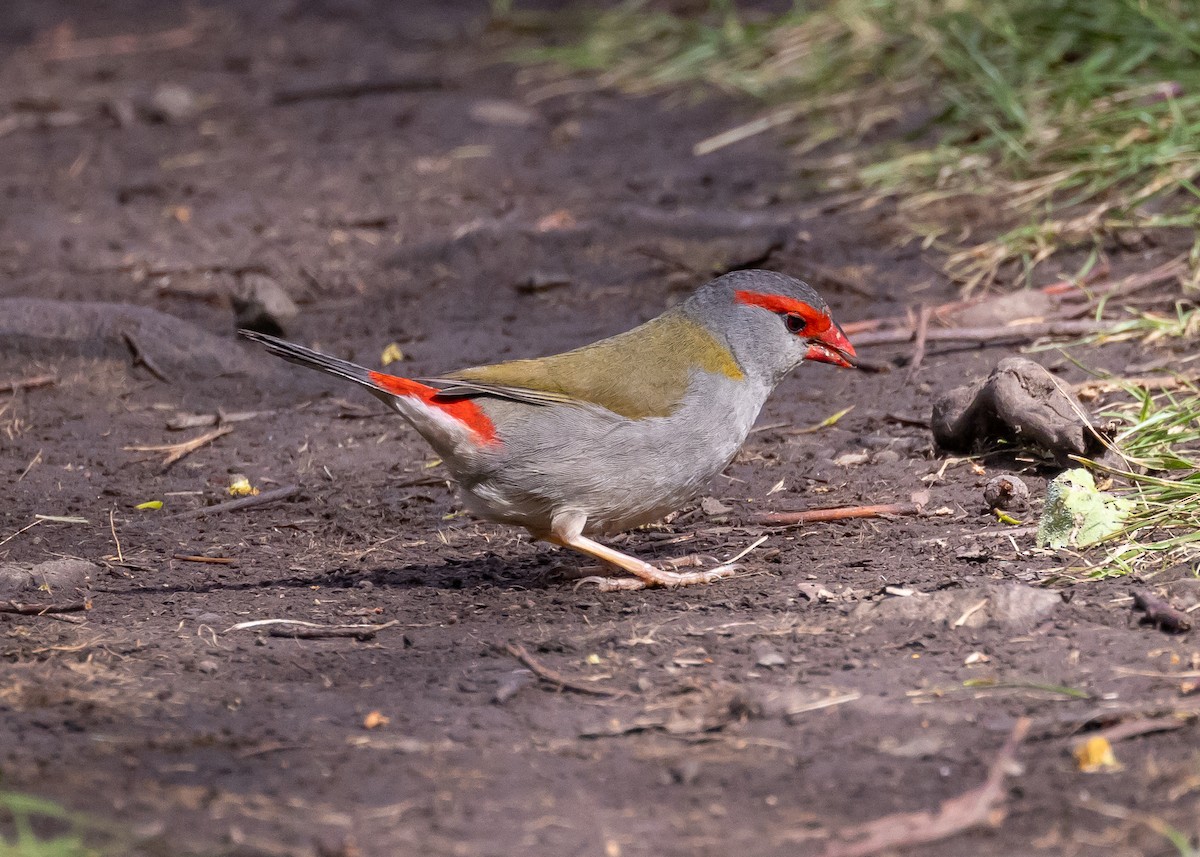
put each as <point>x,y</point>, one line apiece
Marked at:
<point>464,410</point>
<point>818,322</point>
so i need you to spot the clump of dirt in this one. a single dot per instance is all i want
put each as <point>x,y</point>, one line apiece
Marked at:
<point>1019,402</point>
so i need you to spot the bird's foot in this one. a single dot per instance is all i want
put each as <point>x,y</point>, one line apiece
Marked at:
<point>652,576</point>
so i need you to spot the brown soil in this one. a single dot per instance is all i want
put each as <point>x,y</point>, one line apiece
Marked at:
<point>475,219</point>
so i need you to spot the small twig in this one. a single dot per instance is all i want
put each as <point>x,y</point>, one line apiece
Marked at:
<point>921,333</point>
<point>1011,334</point>
<point>1066,287</point>
<point>356,89</point>
<point>1149,383</point>
<point>1142,726</point>
<point>243,502</point>
<point>747,550</point>
<point>1160,613</point>
<point>141,358</point>
<point>941,312</point>
<point>28,383</point>
<point>218,560</point>
<point>182,421</point>
<point>38,609</point>
<point>112,526</point>
<point>32,463</point>
<point>555,678</point>
<point>838,513</point>
<point>176,451</point>
<point>18,532</point>
<point>311,630</point>
<point>969,612</point>
<point>982,805</point>
<point>775,118</point>
<point>358,632</point>
<point>62,45</point>
<point>1177,267</point>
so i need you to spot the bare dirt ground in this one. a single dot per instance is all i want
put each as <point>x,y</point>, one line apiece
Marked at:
<point>467,212</point>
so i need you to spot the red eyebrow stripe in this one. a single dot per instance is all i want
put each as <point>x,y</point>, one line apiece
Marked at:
<point>464,410</point>
<point>820,321</point>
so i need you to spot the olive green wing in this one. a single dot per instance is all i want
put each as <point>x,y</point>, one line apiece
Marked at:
<point>639,374</point>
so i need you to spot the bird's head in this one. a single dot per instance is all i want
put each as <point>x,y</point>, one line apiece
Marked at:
<point>771,322</point>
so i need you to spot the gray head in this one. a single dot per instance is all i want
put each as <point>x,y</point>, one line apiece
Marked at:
<point>770,321</point>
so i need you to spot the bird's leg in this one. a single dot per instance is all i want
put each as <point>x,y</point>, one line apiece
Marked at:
<point>566,529</point>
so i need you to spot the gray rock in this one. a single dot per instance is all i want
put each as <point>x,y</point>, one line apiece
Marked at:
<point>61,579</point>
<point>1008,605</point>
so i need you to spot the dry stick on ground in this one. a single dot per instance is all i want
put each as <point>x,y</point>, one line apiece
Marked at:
<point>5,541</point>
<point>217,560</point>
<point>32,463</point>
<point>1177,267</point>
<point>302,632</point>
<point>838,513</point>
<point>1012,333</point>
<point>555,678</point>
<point>982,805</point>
<point>243,502</point>
<point>940,312</point>
<point>28,383</point>
<point>878,332</point>
<point>355,89</point>
<point>1149,383</point>
<point>182,421</point>
<point>66,47</point>
<point>1160,613</point>
<point>112,526</point>
<point>176,451</point>
<point>311,630</point>
<point>920,335</point>
<point>1136,728</point>
<point>38,609</point>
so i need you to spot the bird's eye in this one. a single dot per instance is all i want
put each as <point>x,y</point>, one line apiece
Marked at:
<point>794,322</point>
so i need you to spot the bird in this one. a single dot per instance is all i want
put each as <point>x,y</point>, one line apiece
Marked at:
<point>619,433</point>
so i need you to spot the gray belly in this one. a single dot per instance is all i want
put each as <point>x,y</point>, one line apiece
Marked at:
<point>620,473</point>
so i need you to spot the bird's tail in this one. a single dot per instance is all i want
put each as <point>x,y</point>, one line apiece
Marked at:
<point>302,356</point>
<point>442,421</point>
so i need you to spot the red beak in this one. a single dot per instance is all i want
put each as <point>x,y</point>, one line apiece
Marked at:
<point>832,346</point>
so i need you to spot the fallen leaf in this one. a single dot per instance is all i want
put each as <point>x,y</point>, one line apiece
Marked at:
<point>375,720</point>
<point>391,354</point>
<point>1095,755</point>
<point>239,487</point>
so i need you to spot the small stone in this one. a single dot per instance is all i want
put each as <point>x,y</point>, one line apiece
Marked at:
<point>886,456</point>
<point>713,506</point>
<point>206,666</point>
<point>497,112</point>
<point>1006,492</point>
<point>173,104</point>
<point>766,655</point>
<point>56,578</point>
<point>511,685</point>
<point>686,772</point>
<point>262,305</point>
